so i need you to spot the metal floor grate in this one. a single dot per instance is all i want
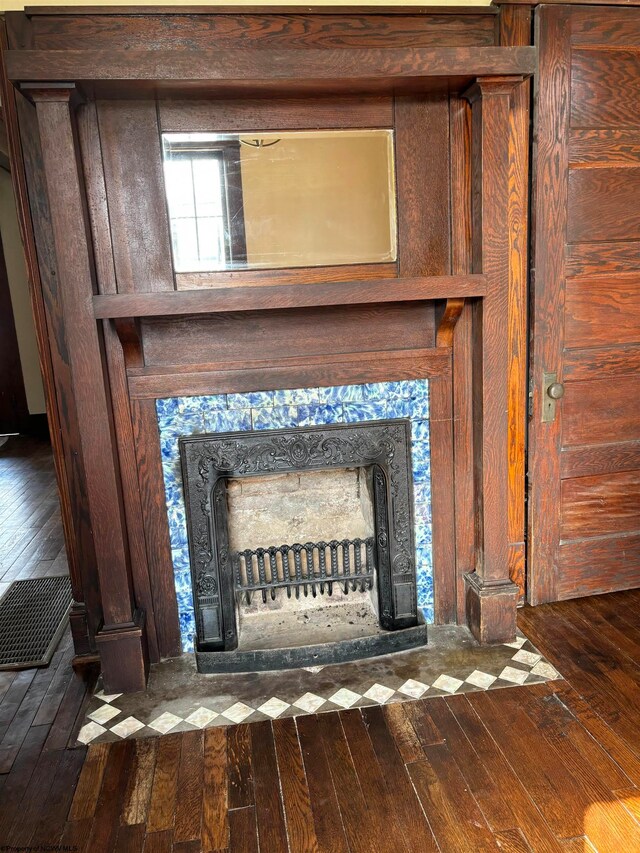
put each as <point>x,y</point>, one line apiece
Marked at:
<point>32,619</point>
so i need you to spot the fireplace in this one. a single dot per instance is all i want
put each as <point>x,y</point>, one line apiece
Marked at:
<point>317,503</point>
<point>383,563</point>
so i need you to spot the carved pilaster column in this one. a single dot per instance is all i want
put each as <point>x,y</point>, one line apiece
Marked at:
<point>491,596</point>
<point>121,639</point>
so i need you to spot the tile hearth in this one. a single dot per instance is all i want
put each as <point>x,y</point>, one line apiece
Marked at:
<point>180,699</point>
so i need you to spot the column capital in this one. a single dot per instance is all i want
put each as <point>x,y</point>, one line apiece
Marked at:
<point>488,85</point>
<point>59,93</point>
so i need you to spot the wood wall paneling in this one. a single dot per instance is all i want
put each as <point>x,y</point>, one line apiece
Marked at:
<point>240,30</point>
<point>236,116</point>
<point>302,372</point>
<point>279,334</point>
<point>135,192</point>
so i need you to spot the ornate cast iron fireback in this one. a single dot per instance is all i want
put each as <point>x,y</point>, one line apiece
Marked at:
<point>208,460</point>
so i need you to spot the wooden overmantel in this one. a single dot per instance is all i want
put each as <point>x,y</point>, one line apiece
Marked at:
<point>449,81</point>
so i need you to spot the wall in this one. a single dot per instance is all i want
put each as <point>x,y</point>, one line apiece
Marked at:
<point>19,287</point>
<point>17,4</point>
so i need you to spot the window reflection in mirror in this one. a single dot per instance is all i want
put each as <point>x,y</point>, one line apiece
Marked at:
<point>281,199</point>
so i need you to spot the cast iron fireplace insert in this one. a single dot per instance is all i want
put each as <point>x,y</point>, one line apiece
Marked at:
<point>220,577</point>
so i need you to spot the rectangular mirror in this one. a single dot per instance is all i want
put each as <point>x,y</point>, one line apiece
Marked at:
<point>280,199</point>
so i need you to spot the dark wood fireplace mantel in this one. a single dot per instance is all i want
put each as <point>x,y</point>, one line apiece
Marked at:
<point>87,95</point>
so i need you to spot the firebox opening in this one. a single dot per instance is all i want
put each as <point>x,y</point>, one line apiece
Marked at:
<point>310,536</point>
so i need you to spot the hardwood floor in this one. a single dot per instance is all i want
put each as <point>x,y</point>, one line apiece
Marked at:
<point>31,542</point>
<point>552,767</point>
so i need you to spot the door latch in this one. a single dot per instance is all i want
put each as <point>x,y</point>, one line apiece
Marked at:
<point>552,391</point>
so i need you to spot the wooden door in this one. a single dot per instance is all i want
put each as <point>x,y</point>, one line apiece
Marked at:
<point>584,463</point>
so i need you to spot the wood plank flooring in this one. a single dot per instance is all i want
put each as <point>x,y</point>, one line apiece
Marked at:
<point>552,767</point>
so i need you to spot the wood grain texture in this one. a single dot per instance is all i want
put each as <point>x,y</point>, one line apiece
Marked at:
<point>188,815</point>
<point>24,197</point>
<point>605,26</point>
<point>596,197</point>
<point>215,826</point>
<point>617,559</point>
<point>272,833</point>
<point>601,459</point>
<point>272,69</point>
<point>601,505</point>
<point>328,30</point>
<point>515,29</point>
<point>75,282</point>
<point>138,219</point>
<point>460,142</point>
<point>286,333</point>
<point>615,146</point>
<point>295,792</point>
<point>442,500</point>
<point>282,114</point>
<point>422,154</point>
<point>549,201</point>
<point>492,116</point>
<point>603,362</point>
<point>253,296</point>
<point>295,275</point>
<point>340,369</point>
<point>60,399</point>
<point>601,411</point>
<point>606,257</point>
<point>604,87</point>
<point>602,309</point>
<point>155,524</point>
<point>517,770</point>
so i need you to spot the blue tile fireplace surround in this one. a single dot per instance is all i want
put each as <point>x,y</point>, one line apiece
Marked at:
<point>287,409</point>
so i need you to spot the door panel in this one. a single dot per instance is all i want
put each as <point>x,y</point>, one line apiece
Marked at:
<point>603,203</point>
<point>584,464</point>
<point>602,309</point>
<point>605,87</point>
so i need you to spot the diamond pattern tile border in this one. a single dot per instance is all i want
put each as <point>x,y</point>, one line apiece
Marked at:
<point>295,692</point>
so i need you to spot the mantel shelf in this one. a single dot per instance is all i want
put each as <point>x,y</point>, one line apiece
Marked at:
<point>269,69</point>
<point>261,297</point>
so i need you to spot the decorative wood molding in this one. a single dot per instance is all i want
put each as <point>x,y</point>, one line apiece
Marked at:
<point>260,297</point>
<point>447,324</point>
<point>101,467</point>
<point>491,596</point>
<point>262,69</point>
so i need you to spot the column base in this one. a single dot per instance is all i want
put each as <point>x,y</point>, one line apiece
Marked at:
<point>82,642</point>
<point>124,656</point>
<point>491,609</point>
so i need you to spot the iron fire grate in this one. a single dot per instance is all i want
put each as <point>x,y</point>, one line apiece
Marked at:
<point>33,616</point>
